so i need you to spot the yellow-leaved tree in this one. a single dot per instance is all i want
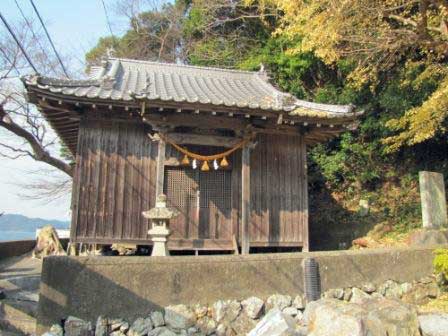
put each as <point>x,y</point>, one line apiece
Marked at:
<point>376,36</point>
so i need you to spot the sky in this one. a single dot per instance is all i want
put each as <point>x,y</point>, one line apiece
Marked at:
<point>75,26</point>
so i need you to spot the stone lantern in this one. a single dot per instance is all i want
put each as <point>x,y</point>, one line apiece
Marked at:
<point>160,217</point>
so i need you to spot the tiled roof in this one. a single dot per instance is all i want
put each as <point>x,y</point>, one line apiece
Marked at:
<point>127,80</point>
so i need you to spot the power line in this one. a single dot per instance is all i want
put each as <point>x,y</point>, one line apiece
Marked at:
<point>30,27</point>
<point>49,38</point>
<point>107,18</point>
<point>18,42</point>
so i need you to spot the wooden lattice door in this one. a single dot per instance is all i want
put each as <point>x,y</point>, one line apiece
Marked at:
<point>203,200</point>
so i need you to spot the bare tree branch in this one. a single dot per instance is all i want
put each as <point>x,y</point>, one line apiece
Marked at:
<point>39,153</point>
<point>47,190</point>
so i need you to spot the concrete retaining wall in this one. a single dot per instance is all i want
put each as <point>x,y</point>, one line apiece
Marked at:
<point>132,286</point>
<point>15,248</point>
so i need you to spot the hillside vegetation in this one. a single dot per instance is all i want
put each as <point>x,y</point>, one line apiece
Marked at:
<point>389,58</point>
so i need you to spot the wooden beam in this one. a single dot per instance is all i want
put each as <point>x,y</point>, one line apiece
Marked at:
<point>235,245</point>
<point>62,125</point>
<point>272,125</point>
<point>204,140</point>
<point>194,120</point>
<point>245,198</point>
<point>210,107</point>
<point>160,167</point>
<point>214,122</point>
<point>66,129</point>
<point>39,94</point>
<point>173,162</point>
<point>276,131</point>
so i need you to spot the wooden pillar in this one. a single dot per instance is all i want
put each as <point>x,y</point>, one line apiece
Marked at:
<point>306,246</point>
<point>160,167</point>
<point>245,197</point>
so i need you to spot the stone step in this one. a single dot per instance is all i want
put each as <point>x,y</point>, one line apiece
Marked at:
<point>18,316</point>
<point>9,333</point>
<point>19,282</point>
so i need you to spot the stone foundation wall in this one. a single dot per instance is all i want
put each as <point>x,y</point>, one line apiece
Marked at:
<point>249,316</point>
<point>132,287</point>
<point>15,248</point>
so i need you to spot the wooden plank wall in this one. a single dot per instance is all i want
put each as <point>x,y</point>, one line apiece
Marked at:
<point>279,199</point>
<point>116,176</point>
<point>114,183</point>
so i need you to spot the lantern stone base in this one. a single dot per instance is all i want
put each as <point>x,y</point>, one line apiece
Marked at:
<point>159,236</point>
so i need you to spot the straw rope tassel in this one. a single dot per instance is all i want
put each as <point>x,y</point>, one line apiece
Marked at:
<point>224,162</point>
<point>205,166</point>
<point>185,160</point>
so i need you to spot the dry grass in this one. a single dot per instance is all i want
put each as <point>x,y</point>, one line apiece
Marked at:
<point>436,305</point>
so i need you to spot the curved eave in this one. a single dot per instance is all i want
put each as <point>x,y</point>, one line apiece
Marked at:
<point>311,112</point>
<point>64,126</point>
<point>103,91</point>
<point>103,96</point>
<point>326,115</point>
<point>297,112</point>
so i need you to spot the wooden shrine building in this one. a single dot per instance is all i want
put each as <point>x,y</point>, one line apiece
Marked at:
<point>226,147</point>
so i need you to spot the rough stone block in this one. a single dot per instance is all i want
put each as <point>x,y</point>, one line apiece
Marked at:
<point>429,237</point>
<point>157,319</point>
<point>101,326</point>
<point>179,317</point>
<point>330,317</point>
<point>226,311</point>
<point>434,324</point>
<point>275,323</point>
<point>432,193</point>
<point>278,301</point>
<point>74,326</point>
<point>253,307</point>
<point>141,327</point>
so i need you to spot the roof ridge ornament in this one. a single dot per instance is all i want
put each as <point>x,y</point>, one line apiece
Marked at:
<point>110,51</point>
<point>109,79</point>
<point>281,99</point>
<point>107,83</point>
<point>263,73</point>
<point>48,82</point>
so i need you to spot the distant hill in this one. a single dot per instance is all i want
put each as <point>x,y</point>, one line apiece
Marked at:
<point>13,222</point>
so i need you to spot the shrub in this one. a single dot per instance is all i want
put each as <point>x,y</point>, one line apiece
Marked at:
<point>440,263</point>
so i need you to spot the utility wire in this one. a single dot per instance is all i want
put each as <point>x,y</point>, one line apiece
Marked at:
<point>49,38</point>
<point>18,42</point>
<point>107,18</point>
<point>30,27</point>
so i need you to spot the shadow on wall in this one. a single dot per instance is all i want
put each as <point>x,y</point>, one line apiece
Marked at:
<point>131,287</point>
<point>120,287</point>
<point>79,291</point>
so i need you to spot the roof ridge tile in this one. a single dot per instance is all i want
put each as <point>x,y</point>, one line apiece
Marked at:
<point>248,72</point>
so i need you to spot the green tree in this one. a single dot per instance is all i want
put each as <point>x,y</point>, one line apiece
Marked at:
<point>377,37</point>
